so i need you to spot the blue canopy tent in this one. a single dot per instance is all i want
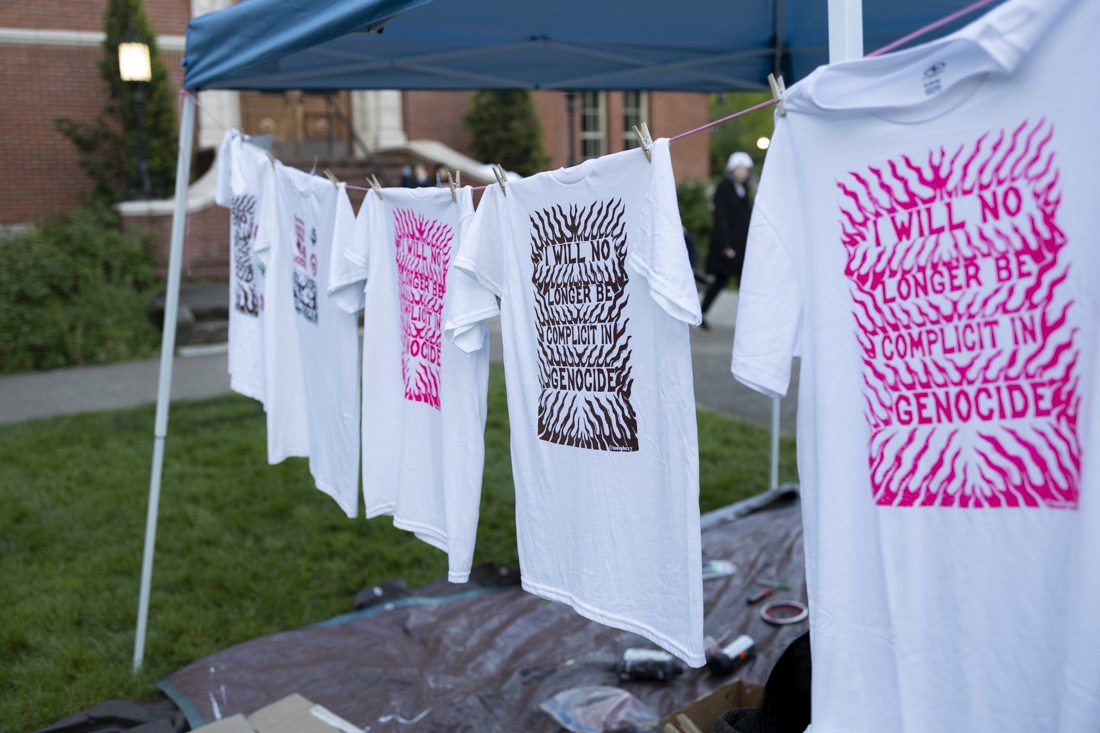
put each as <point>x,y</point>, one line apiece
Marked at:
<point>696,45</point>
<point>572,45</point>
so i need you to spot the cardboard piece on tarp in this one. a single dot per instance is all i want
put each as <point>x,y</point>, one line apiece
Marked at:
<point>233,724</point>
<point>292,714</point>
<point>705,709</point>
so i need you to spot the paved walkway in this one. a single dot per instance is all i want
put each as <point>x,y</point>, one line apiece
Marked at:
<point>200,371</point>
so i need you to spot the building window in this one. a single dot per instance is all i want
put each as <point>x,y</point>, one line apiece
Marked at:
<point>635,112</point>
<point>593,124</point>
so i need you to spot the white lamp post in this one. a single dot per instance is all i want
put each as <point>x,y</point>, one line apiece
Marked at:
<point>134,66</point>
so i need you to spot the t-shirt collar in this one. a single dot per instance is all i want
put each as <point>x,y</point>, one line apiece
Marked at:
<point>923,75</point>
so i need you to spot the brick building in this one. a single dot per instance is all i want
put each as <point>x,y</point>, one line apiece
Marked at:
<point>48,55</point>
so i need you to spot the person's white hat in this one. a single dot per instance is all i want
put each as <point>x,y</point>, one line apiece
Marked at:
<point>739,159</point>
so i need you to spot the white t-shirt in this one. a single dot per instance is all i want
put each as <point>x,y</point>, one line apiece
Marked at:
<point>312,347</point>
<point>424,399</point>
<point>596,297</point>
<point>924,238</point>
<point>242,170</point>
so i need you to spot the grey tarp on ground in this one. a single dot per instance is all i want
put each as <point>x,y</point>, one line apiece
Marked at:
<point>115,716</point>
<point>484,659</point>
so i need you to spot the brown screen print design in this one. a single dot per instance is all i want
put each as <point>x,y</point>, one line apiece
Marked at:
<point>579,257</point>
<point>967,324</point>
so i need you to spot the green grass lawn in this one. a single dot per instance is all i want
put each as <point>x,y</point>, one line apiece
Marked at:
<point>243,548</point>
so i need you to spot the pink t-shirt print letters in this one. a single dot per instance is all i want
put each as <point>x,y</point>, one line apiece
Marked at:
<point>959,289</point>
<point>423,256</point>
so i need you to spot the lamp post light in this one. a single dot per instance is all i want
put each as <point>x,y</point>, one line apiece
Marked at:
<point>134,66</point>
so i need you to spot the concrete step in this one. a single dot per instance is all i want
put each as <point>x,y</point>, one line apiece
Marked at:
<point>203,332</point>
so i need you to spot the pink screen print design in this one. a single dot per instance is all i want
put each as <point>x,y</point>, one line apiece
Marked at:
<point>423,255</point>
<point>958,275</point>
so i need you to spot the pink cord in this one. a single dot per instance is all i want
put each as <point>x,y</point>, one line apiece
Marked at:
<point>762,105</point>
<point>204,109</point>
<point>931,27</point>
<point>360,188</point>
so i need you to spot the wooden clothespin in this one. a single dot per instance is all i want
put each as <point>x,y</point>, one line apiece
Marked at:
<point>332,177</point>
<point>375,186</point>
<point>643,143</point>
<point>458,178</point>
<point>501,178</point>
<point>451,183</point>
<point>778,87</point>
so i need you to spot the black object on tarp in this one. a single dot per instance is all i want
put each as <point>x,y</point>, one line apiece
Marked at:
<point>116,716</point>
<point>483,656</point>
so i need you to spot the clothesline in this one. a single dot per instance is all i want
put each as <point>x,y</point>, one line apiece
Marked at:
<point>888,47</point>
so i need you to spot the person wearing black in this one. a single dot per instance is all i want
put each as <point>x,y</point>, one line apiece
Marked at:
<point>732,211</point>
<point>785,707</point>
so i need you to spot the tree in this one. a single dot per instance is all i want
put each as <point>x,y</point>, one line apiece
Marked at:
<point>740,133</point>
<point>108,146</point>
<point>505,130</point>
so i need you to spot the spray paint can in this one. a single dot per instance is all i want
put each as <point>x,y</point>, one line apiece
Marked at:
<point>732,656</point>
<point>648,664</point>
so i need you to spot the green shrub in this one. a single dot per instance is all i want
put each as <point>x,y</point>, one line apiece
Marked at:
<point>695,213</point>
<point>506,130</point>
<point>74,289</point>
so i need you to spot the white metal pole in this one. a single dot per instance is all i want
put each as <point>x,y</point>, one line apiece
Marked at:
<point>164,386</point>
<point>774,478</point>
<point>845,30</point>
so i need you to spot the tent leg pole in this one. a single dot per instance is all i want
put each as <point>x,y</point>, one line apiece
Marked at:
<point>845,30</point>
<point>773,481</point>
<point>164,386</point>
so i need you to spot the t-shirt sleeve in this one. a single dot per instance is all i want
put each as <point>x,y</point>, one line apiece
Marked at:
<point>370,223</point>
<point>223,189</point>
<point>345,277</point>
<point>768,333</point>
<point>480,260</point>
<point>267,221</point>
<point>660,254</point>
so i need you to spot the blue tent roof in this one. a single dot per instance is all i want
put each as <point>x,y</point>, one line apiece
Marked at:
<point>683,45</point>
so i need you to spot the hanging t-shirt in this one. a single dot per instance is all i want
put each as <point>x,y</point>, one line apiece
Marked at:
<point>424,399</point>
<point>596,297</point>
<point>311,345</point>
<point>242,170</point>
<point>924,238</point>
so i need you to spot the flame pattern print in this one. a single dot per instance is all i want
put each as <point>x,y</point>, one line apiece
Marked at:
<point>958,275</point>
<point>579,257</point>
<point>243,228</point>
<point>423,256</point>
